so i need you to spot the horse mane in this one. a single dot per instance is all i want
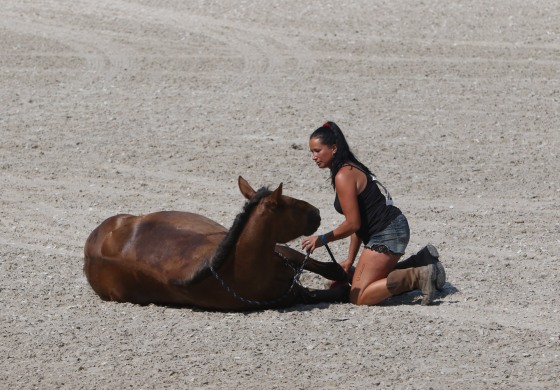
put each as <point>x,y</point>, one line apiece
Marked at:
<point>230,240</point>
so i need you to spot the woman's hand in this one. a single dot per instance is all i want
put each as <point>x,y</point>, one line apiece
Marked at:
<point>309,244</point>
<point>347,265</point>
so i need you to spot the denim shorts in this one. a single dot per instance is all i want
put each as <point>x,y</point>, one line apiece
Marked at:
<point>393,239</point>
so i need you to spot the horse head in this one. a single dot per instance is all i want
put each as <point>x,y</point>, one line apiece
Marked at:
<point>288,217</point>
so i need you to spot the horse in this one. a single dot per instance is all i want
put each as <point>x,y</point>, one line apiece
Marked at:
<point>180,258</point>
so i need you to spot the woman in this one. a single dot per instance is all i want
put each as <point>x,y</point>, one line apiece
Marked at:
<point>371,219</point>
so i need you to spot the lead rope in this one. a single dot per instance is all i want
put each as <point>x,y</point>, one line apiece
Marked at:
<point>295,280</point>
<point>330,254</point>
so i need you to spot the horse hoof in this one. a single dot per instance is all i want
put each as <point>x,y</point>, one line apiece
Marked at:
<point>338,283</point>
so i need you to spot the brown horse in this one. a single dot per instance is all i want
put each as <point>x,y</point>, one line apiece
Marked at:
<point>185,259</point>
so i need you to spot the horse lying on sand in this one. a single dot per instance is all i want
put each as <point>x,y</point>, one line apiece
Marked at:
<point>185,259</point>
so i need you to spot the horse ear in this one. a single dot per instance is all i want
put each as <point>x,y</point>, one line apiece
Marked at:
<point>275,196</point>
<point>245,188</point>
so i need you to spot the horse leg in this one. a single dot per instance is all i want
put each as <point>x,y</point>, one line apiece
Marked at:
<point>329,270</point>
<point>338,294</point>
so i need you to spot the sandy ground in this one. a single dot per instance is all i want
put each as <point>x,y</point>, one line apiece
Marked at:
<point>135,106</point>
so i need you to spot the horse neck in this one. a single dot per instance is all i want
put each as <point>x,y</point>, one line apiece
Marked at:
<point>255,244</point>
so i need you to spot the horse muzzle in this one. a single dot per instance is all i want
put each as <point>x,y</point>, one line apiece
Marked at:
<point>313,222</point>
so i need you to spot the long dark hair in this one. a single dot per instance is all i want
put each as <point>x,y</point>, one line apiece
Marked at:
<point>330,134</point>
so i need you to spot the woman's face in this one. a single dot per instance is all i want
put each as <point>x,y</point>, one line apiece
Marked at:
<point>321,153</point>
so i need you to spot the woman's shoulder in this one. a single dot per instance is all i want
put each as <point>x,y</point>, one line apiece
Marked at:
<point>351,169</point>
<point>345,170</point>
<point>348,172</point>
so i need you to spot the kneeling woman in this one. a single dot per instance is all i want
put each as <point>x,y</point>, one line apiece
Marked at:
<point>371,219</point>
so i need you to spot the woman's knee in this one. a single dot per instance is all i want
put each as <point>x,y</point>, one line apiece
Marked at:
<point>370,295</point>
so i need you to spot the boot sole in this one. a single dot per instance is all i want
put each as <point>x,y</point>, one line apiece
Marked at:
<point>440,276</point>
<point>432,250</point>
<point>430,292</point>
<point>440,279</point>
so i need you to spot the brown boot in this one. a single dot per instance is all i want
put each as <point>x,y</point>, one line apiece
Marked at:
<point>427,255</point>
<point>424,278</point>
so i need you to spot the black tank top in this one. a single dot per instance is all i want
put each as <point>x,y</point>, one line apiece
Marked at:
<point>375,214</point>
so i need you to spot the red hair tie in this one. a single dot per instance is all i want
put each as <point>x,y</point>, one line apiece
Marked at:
<point>326,124</point>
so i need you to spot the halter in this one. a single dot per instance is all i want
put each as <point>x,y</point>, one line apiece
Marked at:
<point>295,280</point>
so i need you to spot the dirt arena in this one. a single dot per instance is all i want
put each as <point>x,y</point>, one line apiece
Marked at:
<point>136,106</point>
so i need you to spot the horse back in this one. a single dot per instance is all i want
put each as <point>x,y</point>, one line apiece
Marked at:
<point>134,258</point>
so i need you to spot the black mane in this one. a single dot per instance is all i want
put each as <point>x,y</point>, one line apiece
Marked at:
<point>230,240</point>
